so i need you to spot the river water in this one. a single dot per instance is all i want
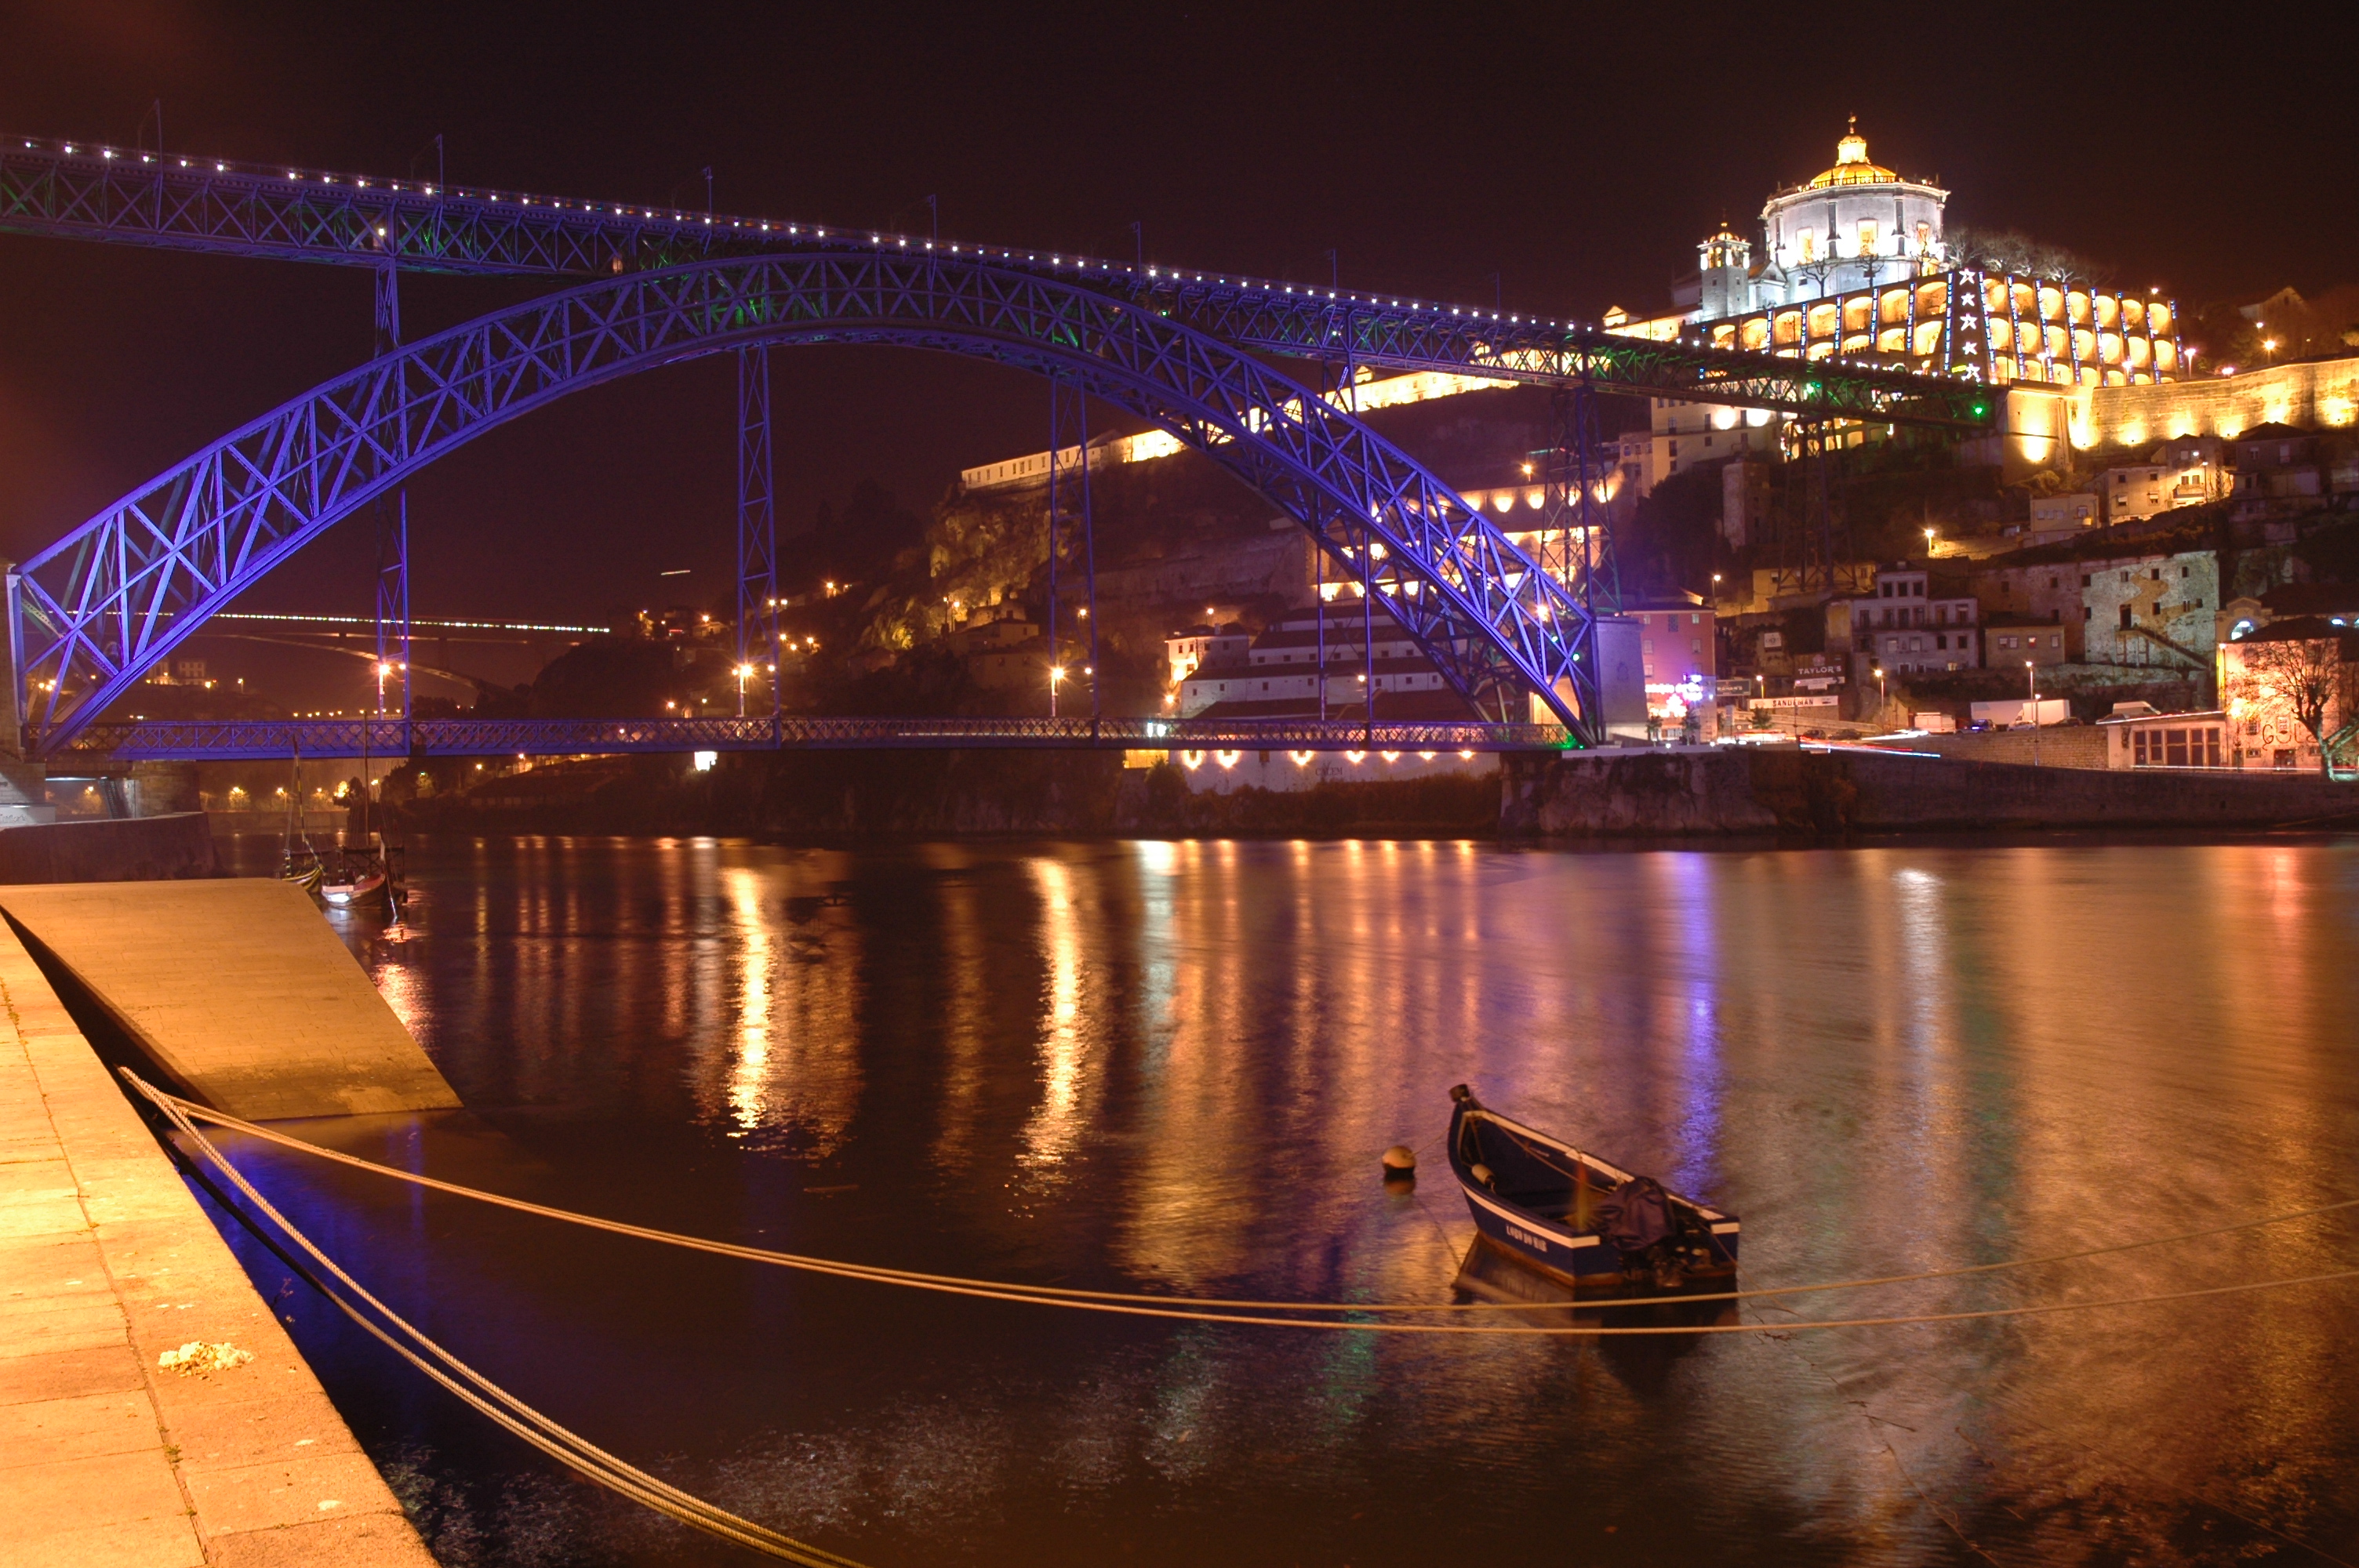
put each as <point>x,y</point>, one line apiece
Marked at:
<point>1171,1068</point>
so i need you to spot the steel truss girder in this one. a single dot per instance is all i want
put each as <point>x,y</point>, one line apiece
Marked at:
<point>96,609</point>
<point>195,740</point>
<point>1436,337</point>
<point>338,218</point>
<point>357,220</point>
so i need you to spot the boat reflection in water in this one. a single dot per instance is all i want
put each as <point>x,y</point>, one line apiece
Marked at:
<point>1642,1361</point>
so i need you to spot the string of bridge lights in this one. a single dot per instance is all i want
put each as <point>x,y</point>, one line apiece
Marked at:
<point>743,225</point>
<point>878,238</point>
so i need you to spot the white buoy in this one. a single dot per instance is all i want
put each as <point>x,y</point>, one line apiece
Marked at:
<point>1400,1161</point>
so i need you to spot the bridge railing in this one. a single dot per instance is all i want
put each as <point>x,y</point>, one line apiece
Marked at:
<point>225,741</point>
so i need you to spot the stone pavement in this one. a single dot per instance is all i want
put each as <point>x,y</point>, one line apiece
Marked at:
<point>107,1263</point>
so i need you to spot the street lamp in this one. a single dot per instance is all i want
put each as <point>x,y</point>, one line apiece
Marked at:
<point>743,670</point>
<point>1881,701</point>
<point>2030,687</point>
<point>1929,543</point>
<point>1056,680</point>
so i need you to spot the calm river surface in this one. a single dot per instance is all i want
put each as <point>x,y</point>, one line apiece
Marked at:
<point>1171,1068</point>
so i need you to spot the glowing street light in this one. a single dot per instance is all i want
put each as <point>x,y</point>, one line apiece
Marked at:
<point>1056,680</point>
<point>744,671</point>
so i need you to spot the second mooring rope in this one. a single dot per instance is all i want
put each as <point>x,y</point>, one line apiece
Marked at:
<point>568,1447</point>
<point>1257,1314</point>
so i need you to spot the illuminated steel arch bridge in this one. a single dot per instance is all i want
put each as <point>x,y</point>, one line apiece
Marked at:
<point>89,615</point>
<point>93,612</point>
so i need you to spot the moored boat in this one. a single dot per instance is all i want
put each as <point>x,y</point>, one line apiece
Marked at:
<point>355,884</point>
<point>1577,1218</point>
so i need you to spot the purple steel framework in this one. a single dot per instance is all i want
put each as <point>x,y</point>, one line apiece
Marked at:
<point>1069,422</point>
<point>230,740</point>
<point>392,526</point>
<point>757,529</point>
<point>91,613</point>
<point>89,192</point>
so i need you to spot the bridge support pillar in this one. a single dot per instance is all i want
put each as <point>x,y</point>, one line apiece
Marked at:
<point>757,533</point>
<point>1069,492</point>
<point>392,528</point>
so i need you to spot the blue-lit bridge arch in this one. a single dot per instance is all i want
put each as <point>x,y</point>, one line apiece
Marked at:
<point>93,612</point>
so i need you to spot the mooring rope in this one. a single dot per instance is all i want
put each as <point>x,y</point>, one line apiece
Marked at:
<point>1254,1313</point>
<point>567,1446</point>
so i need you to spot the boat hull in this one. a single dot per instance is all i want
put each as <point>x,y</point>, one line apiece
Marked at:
<point>1557,1245</point>
<point>348,894</point>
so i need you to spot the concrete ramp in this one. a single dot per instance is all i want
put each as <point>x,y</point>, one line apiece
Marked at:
<point>238,990</point>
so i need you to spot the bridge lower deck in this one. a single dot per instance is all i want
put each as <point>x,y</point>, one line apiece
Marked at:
<point>206,741</point>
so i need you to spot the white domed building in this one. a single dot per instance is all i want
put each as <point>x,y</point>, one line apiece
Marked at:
<point>1848,227</point>
<point>1853,264</point>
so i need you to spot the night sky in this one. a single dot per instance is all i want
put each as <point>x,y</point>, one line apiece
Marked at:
<point>1579,152</point>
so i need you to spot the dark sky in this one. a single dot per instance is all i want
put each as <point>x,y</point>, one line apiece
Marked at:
<point>1577,152</point>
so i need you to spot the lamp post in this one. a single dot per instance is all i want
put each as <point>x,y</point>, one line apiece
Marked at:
<point>1929,543</point>
<point>2031,687</point>
<point>1881,701</point>
<point>1056,680</point>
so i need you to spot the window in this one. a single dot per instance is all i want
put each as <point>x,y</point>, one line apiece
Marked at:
<point>2125,617</point>
<point>1941,643</point>
<point>1809,245</point>
<point>1869,236</point>
<point>2006,641</point>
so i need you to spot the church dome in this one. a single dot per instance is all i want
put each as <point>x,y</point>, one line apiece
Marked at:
<point>1852,167</point>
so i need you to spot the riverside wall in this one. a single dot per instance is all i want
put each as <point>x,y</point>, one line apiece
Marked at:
<point>1726,791</point>
<point>110,850</point>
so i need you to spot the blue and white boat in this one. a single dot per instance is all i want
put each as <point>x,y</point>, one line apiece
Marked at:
<point>1576,1219</point>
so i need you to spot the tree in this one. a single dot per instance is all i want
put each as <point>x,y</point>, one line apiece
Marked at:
<point>2312,679</point>
<point>2006,250</point>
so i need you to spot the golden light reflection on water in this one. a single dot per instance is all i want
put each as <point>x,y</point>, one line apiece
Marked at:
<point>743,888</point>
<point>1064,1065</point>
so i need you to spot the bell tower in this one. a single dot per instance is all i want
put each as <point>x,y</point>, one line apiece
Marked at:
<point>1725,263</point>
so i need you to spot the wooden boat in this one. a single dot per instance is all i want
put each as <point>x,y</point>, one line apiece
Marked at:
<point>1576,1219</point>
<point>357,882</point>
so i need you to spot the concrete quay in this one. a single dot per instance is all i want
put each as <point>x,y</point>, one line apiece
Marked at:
<point>106,1264</point>
<point>236,990</point>
<point>1785,791</point>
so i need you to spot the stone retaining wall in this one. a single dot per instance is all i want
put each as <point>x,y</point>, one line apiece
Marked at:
<point>1787,791</point>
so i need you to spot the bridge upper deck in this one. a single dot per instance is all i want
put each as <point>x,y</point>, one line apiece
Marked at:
<point>89,192</point>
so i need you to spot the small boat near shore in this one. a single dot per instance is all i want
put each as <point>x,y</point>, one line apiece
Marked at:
<point>1577,1218</point>
<point>357,881</point>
